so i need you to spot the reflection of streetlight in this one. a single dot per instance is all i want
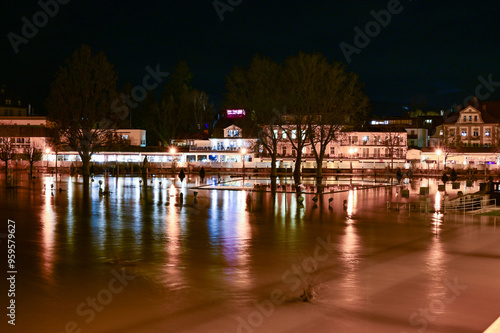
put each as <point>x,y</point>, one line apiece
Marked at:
<point>172,151</point>
<point>243,152</point>
<point>438,152</point>
<point>47,152</point>
<point>352,151</point>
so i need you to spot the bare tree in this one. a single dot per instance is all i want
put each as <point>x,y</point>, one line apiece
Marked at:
<point>393,142</point>
<point>32,154</point>
<point>337,100</point>
<point>55,139</point>
<point>80,100</point>
<point>448,141</point>
<point>7,153</point>
<point>257,90</point>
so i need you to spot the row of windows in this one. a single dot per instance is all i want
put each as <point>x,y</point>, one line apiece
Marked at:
<point>470,119</point>
<point>377,139</point>
<point>292,133</point>
<point>363,152</point>
<point>9,102</point>
<point>233,133</point>
<point>475,132</point>
<point>10,112</point>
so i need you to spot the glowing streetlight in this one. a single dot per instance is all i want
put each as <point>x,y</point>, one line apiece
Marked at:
<point>438,153</point>
<point>47,152</point>
<point>172,150</point>
<point>352,151</point>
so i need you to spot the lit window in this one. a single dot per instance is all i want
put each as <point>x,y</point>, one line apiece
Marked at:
<point>283,135</point>
<point>294,134</point>
<point>464,133</point>
<point>441,132</point>
<point>487,132</point>
<point>275,132</point>
<point>366,138</point>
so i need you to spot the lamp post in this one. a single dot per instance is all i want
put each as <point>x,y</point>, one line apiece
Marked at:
<point>172,152</point>
<point>47,152</point>
<point>438,153</point>
<point>352,151</point>
<point>243,152</point>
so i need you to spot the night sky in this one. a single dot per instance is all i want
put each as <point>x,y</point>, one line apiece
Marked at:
<point>431,53</point>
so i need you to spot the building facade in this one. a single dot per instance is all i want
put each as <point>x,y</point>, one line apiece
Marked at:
<point>468,128</point>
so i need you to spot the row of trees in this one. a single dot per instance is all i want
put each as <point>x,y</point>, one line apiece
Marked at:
<point>306,95</point>
<point>181,109</point>
<point>86,107</point>
<point>8,153</point>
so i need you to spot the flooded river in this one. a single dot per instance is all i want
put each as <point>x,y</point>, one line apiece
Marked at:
<point>229,259</point>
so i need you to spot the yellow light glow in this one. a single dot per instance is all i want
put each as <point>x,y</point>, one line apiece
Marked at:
<point>243,151</point>
<point>438,152</point>
<point>47,151</point>
<point>172,150</point>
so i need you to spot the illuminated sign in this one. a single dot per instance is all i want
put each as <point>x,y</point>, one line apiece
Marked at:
<point>235,113</point>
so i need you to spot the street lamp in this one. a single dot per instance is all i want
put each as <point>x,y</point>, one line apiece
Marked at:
<point>47,152</point>
<point>438,153</point>
<point>243,152</point>
<point>352,151</point>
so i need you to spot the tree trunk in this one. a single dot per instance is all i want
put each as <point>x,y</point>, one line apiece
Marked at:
<point>274,173</point>
<point>86,165</point>
<point>296,171</point>
<point>319,173</point>
<point>56,165</point>
<point>319,180</point>
<point>6,171</point>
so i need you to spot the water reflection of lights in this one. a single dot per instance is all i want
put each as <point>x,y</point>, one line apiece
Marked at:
<point>230,236</point>
<point>351,202</point>
<point>349,247</point>
<point>437,217</point>
<point>48,218</point>
<point>173,273</point>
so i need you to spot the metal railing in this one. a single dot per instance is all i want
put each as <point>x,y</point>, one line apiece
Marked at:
<point>470,206</point>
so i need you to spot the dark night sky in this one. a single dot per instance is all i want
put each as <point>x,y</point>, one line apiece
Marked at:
<point>433,51</point>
